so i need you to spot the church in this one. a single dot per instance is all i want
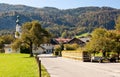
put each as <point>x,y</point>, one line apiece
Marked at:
<point>18,32</point>
<point>18,28</point>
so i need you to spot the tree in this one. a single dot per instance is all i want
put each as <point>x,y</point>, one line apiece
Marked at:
<point>33,34</point>
<point>117,38</point>
<point>7,39</point>
<point>99,42</point>
<point>64,34</point>
<point>117,27</point>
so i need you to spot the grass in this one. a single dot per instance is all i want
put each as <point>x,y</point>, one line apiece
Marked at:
<point>19,65</point>
<point>82,35</point>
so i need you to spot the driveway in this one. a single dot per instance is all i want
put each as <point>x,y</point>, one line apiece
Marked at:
<point>64,67</point>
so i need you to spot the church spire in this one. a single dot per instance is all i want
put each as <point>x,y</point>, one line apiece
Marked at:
<point>18,28</point>
<point>17,21</point>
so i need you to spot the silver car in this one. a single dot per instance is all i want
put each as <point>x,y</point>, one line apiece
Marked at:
<point>97,59</point>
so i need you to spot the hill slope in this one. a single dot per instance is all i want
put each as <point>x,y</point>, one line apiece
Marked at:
<point>74,21</point>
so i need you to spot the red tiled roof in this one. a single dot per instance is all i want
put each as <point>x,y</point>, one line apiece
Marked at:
<point>62,40</point>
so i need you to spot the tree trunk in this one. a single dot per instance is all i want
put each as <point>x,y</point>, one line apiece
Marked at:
<point>31,52</point>
<point>104,53</point>
<point>118,56</point>
<point>94,53</point>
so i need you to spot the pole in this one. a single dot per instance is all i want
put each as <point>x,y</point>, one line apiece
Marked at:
<point>39,65</point>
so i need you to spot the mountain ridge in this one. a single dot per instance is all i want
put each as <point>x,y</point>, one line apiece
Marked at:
<point>75,21</point>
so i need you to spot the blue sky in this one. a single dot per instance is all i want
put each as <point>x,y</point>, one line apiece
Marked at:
<point>65,4</point>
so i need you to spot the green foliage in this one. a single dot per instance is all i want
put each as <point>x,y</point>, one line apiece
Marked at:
<point>32,33</point>
<point>104,41</point>
<point>117,27</point>
<point>57,48</point>
<point>83,35</point>
<point>71,46</point>
<point>19,65</point>
<point>7,39</point>
<point>16,44</point>
<point>64,34</point>
<point>100,41</point>
<point>76,21</point>
<point>17,34</point>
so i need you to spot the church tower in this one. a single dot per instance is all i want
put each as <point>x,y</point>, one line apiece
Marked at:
<point>18,28</point>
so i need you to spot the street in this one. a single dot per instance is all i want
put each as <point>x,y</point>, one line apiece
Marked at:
<point>64,67</point>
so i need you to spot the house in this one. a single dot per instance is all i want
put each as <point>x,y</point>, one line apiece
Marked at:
<point>54,41</point>
<point>38,50</point>
<point>8,49</point>
<point>48,47</point>
<point>85,39</point>
<point>77,41</point>
<point>62,40</point>
<point>43,48</point>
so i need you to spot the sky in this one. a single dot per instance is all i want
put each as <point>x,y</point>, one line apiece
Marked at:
<point>64,4</point>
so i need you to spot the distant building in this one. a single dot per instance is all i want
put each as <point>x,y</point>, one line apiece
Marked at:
<point>76,41</point>
<point>48,47</point>
<point>62,40</point>
<point>38,50</point>
<point>43,48</point>
<point>18,28</point>
<point>85,39</point>
<point>8,49</point>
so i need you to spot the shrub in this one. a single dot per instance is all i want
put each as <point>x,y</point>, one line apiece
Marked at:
<point>71,46</point>
<point>57,50</point>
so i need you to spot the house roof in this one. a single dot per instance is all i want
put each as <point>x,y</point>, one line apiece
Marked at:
<point>54,42</point>
<point>7,45</point>
<point>59,40</point>
<point>77,39</point>
<point>85,39</point>
<point>62,40</point>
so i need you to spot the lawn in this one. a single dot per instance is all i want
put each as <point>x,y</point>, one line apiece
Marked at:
<point>19,65</point>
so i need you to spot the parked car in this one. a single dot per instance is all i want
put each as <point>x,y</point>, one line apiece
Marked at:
<point>97,59</point>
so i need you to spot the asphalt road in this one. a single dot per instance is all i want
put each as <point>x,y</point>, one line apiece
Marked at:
<point>64,67</point>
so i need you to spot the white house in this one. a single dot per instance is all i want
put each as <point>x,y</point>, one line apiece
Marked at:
<point>48,47</point>
<point>38,50</point>
<point>8,49</point>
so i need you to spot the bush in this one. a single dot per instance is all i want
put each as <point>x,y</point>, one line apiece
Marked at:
<point>71,46</point>
<point>57,50</point>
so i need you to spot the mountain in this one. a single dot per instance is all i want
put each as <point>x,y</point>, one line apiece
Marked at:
<point>73,21</point>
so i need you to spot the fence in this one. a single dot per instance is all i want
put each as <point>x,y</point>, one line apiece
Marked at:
<point>39,65</point>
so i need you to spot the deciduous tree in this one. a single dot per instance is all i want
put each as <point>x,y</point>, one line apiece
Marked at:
<point>33,34</point>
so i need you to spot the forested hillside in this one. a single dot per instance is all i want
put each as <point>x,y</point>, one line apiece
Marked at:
<point>70,21</point>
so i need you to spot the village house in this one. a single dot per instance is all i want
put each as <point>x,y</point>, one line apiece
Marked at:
<point>8,49</point>
<point>76,41</point>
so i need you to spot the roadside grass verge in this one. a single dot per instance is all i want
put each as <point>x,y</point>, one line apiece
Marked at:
<point>19,65</point>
